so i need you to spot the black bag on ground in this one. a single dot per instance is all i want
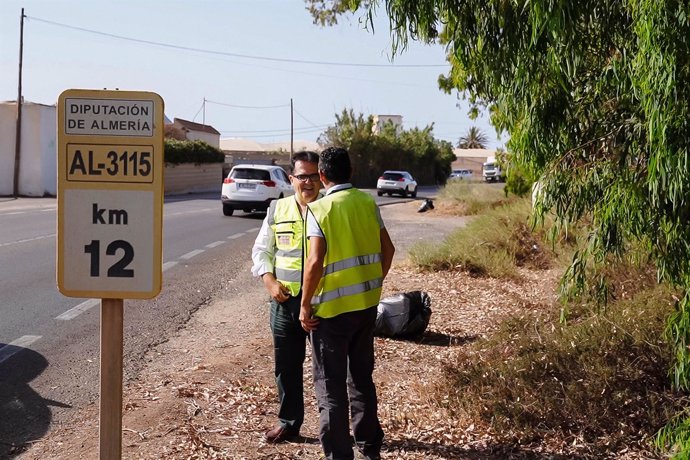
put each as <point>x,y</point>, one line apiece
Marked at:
<point>403,315</point>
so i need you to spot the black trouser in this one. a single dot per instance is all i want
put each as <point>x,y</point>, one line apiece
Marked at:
<point>289,344</point>
<point>343,362</point>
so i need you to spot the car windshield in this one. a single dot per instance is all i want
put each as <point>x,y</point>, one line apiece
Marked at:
<point>392,176</point>
<point>248,173</point>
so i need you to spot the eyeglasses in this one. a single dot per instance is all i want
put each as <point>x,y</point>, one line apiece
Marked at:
<point>307,177</point>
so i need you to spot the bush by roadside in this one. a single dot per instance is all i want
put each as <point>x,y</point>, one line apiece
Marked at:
<point>598,380</point>
<point>197,152</point>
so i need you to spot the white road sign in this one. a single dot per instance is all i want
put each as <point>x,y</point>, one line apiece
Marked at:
<point>110,194</point>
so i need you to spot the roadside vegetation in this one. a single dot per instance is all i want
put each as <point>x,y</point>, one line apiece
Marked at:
<point>197,152</point>
<point>583,372</point>
<point>467,198</point>
<point>392,148</point>
<point>595,102</point>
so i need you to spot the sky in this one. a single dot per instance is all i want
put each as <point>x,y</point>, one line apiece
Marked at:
<point>245,58</point>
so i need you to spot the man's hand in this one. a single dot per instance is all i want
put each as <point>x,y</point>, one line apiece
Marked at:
<point>309,322</point>
<point>276,290</point>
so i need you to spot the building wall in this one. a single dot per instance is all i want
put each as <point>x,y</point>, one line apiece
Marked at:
<point>380,120</point>
<point>473,164</point>
<point>191,178</point>
<point>211,139</point>
<point>8,115</point>
<point>38,162</point>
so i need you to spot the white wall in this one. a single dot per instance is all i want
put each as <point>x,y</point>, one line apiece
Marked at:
<point>210,139</point>
<point>8,127</point>
<point>381,120</point>
<point>38,162</point>
<point>49,149</point>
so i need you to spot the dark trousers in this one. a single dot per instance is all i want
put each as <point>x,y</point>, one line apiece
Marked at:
<point>289,344</point>
<point>343,363</point>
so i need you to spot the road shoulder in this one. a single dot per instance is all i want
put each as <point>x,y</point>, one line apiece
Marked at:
<point>208,392</point>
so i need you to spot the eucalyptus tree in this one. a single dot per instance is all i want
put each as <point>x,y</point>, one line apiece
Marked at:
<point>595,95</point>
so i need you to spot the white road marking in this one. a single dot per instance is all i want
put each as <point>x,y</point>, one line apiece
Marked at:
<point>78,310</point>
<point>235,236</point>
<point>191,254</point>
<point>182,213</point>
<point>254,229</point>
<point>214,244</point>
<point>14,213</point>
<point>28,240</point>
<point>16,346</point>
<point>169,265</point>
<point>48,210</point>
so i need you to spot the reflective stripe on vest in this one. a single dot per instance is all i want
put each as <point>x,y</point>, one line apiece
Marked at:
<point>288,231</point>
<point>290,276</point>
<point>352,275</point>
<point>347,290</point>
<point>351,262</point>
<point>289,252</point>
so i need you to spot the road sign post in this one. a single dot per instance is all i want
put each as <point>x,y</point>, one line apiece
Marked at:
<point>110,427</point>
<point>110,214</point>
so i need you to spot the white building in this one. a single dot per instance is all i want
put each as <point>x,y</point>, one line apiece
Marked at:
<point>381,120</point>
<point>471,159</point>
<point>38,159</point>
<point>197,131</point>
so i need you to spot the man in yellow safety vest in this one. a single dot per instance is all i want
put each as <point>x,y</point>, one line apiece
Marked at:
<point>349,253</point>
<point>277,256</point>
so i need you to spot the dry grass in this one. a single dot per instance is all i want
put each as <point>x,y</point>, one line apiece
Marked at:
<point>598,380</point>
<point>492,244</point>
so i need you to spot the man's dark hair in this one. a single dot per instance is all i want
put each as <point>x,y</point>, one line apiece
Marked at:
<point>335,165</point>
<point>305,155</point>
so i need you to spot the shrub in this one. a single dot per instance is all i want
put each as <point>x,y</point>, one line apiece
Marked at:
<point>493,244</point>
<point>601,378</point>
<point>518,181</point>
<point>466,199</point>
<point>197,152</point>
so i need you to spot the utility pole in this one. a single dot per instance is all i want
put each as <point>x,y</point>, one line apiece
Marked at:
<point>18,137</point>
<point>203,117</point>
<point>292,130</point>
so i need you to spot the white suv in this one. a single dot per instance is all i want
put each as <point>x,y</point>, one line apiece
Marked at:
<point>400,182</point>
<point>461,174</point>
<point>253,187</point>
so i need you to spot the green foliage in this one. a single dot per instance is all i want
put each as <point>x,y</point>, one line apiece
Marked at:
<point>197,152</point>
<point>518,181</point>
<point>473,139</point>
<point>415,150</point>
<point>596,98</point>
<point>492,244</point>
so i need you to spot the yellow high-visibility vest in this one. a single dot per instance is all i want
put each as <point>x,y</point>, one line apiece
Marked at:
<point>352,273</point>
<point>288,231</point>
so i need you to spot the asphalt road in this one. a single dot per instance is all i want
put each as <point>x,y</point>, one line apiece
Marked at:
<point>49,343</point>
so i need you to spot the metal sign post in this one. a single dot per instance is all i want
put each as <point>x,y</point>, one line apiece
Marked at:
<point>110,219</point>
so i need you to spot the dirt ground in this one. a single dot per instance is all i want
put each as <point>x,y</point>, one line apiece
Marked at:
<point>208,392</point>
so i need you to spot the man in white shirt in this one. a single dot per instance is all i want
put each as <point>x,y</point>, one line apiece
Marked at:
<point>278,255</point>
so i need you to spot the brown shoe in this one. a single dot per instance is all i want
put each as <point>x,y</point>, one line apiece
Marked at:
<point>280,434</point>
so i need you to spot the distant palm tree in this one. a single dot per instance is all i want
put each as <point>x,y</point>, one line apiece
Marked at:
<point>474,139</point>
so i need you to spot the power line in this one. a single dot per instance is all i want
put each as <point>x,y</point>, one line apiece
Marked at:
<point>275,134</point>
<point>305,129</point>
<point>249,106</point>
<point>303,117</point>
<point>225,53</point>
